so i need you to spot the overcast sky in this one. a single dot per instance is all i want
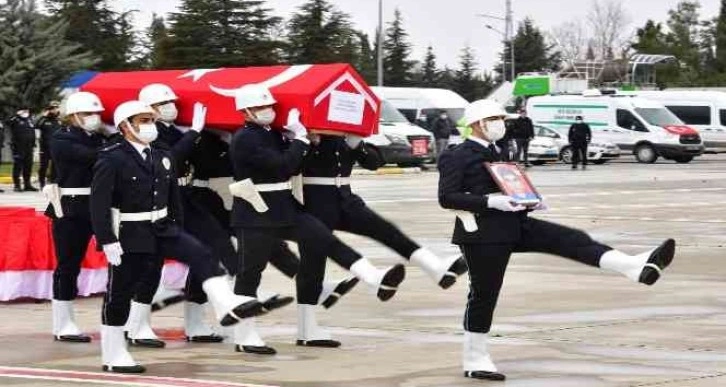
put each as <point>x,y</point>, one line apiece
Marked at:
<point>449,25</point>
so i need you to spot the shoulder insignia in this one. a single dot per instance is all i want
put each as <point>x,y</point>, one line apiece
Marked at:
<point>111,147</point>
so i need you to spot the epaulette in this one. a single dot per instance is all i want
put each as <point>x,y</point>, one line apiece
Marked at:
<point>111,147</point>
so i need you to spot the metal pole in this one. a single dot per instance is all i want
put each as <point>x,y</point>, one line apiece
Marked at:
<point>510,31</point>
<point>380,42</point>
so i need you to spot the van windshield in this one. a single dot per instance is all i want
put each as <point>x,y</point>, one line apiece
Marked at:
<point>658,116</point>
<point>390,114</point>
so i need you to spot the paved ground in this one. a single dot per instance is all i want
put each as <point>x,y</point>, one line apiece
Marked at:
<point>558,324</point>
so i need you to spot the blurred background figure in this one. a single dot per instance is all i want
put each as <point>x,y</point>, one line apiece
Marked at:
<point>48,123</point>
<point>22,132</point>
<point>442,127</point>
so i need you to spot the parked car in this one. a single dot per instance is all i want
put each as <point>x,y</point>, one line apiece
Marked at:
<point>598,152</point>
<point>400,142</point>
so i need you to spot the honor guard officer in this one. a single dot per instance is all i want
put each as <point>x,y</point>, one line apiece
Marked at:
<point>136,215</point>
<point>74,152</point>
<point>501,227</point>
<point>265,211</point>
<point>328,197</point>
<point>48,124</point>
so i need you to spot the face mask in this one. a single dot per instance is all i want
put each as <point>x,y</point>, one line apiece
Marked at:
<point>578,121</point>
<point>91,123</point>
<point>495,129</point>
<point>265,117</point>
<point>168,112</point>
<point>24,114</point>
<point>147,133</point>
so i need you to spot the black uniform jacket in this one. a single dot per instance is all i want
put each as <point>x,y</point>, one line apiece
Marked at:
<point>464,184</point>
<point>74,152</point>
<point>331,158</point>
<point>181,145</point>
<point>123,179</point>
<point>48,126</point>
<point>266,157</point>
<point>210,158</point>
<point>22,133</point>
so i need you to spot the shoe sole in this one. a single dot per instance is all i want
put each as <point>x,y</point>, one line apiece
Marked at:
<point>339,291</point>
<point>205,339</point>
<point>73,339</point>
<point>391,280</point>
<point>158,344</point>
<point>276,303</point>
<point>485,375</point>
<point>246,310</point>
<point>662,257</point>
<point>268,351</point>
<point>139,369</point>
<point>457,268</point>
<point>157,306</point>
<point>318,343</point>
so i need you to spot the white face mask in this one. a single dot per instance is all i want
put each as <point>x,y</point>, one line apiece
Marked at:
<point>90,123</point>
<point>265,117</point>
<point>24,114</point>
<point>495,130</point>
<point>147,133</point>
<point>168,112</point>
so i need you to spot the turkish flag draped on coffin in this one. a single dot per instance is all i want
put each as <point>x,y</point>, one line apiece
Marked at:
<point>330,97</point>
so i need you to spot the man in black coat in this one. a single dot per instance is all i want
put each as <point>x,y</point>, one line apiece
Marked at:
<point>48,123</point>
<point>137,217</point>
<point>22,132</point>
<point>579,137</point>
<point>491,226</point>
<point>523,134</point>
<point>442,127</point>
<point>265,211</point>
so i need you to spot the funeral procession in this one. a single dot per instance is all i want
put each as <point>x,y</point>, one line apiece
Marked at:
<point>363,193</point>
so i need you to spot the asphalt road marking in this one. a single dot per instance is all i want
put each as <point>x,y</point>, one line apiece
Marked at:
<point>115,379</point>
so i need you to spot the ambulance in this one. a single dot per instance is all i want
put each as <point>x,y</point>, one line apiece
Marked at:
<point>638,125</point>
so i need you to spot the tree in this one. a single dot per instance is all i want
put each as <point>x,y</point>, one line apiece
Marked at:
<point>35,58</point>
<point>467,81</point>
<point>429,71</point>
<point>219,33</point>
<point>570,39</point>
<point>531,51</point>
<point>319,33</point>
<point>98,29</point>
<point>608,20</point>
<point>397,50</point>
<point>650,39</point>
<point>720,39</point>
<point>366,61</point>
<point>160,43</point>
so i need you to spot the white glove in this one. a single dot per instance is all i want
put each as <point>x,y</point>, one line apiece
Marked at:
<point>200,117</point>
<point>353,141</point>
<point>504,203</point>
<point>541,206</point>
<point>294,125</point>
<point>113,253</point>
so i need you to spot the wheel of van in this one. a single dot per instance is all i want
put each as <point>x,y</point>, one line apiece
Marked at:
<point>645,154</point>
<point>683,159</point>
<point>566,155</point>
<point>377,153</point>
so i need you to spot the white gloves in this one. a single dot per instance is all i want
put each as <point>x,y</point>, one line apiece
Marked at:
<point>294,125</point>
<point>353,141</point>
<point>53,195</point>
<point>541,206</point>
<point>504,203</point>
<point>113,253</point>
<point>200,117</point>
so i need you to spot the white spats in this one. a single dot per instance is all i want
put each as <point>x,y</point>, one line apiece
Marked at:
<point>194,324</point>
<point>476,355</point>
<point>138,325</point>
<point>432,265</point>
<point>113,348</point>
<point>366,272</point>
<point>307,325</point>
<point>64,323</point>
<point>264,296</point>
<point>223,300</point>
<point>245,334</point>
<point>631,266</point>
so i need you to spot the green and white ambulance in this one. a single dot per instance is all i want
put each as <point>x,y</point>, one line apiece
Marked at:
<point>635,124</point>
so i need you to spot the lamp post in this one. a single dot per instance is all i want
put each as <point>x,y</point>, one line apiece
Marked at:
<point>504,59</point>
<point>380,43</point>
<point>508,34</point>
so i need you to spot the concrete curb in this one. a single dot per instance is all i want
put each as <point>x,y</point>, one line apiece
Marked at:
<point>387,171</point>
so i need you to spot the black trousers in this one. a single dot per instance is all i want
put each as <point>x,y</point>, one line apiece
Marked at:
<point>70,236</point>
<point>488,263</point>
<point>523,150</point>
<point>316,243</point>
<point>123,279</point>
<point>22,165</point>
<point>579,153</point>
<point>44,164</point>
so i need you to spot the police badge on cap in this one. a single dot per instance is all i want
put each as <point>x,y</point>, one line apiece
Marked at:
<point>166,163</point>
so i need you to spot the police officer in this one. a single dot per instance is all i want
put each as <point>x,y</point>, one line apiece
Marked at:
<point>48,123</point>
<point>579,137</point>
<point>74,153</point>
<point>136,215</point>
<point>523,134</point>
<point>501,227</point>
<point>22,132</point>
<point>265,211</point>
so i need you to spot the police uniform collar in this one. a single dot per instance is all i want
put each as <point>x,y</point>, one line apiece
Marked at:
<point>479,141</point>
<point>139,147</point>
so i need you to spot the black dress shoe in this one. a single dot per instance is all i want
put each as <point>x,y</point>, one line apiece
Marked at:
<point>319,343</point>
<point>485,375</point>
<point>342,289</point>
<point>257,350</point>
<point>390,282</point>
<point>167,302</point>
<point>659,259</point>
<point>276,302</point>
<point>17,189</point>
<point>147,343</point>
<point>213,338</point>
<point>248,309</point>
<point>30,188</point>
<point>456,269</point>
<point>137,369</point>
<point>73,338</point>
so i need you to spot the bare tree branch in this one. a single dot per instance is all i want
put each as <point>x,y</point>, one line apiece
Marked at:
<point>608,20</point>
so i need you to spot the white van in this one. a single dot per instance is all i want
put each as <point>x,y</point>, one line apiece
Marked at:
<point>400,142</point>
<point>417,102</point>
<point>704,111</point>
<point>635,124</point>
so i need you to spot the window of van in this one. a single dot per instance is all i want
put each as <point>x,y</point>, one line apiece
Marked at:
<point>722,113</point>
<point>692,115</point>
<point>410,114</point>
<point>389,114</point>
<point>627,120</point>
<point>658,116</point>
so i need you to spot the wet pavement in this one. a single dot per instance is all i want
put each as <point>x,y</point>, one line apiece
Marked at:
<point>558,323</point>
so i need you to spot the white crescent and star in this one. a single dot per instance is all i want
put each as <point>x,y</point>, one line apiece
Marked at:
<point>198,73</point>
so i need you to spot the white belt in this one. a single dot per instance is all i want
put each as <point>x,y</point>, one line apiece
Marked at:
<point>284,186</point>
<point>183,181</point>
<point>75,191</point>
<point>200,183</point>
<point>151,216</point>
<point>332,181</point>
